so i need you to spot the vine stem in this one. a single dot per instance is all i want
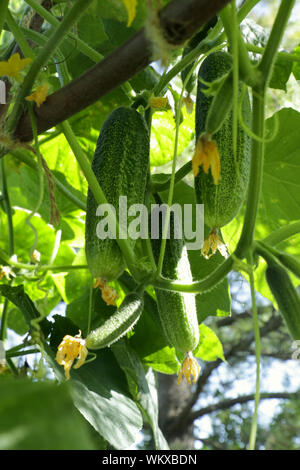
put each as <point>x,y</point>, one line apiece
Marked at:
<point>18,35</point>
<point>256,173</point>
<point>3,12</point>
<point>7,206</point>
<point>283,233</point>
<point>253,430</point>
<point>43,56</point>
<point>269,55</point>
<point>171,190</point>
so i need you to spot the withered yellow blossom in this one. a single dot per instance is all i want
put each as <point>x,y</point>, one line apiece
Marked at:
<point>71,348</point>
<point>213,243</point>
<point>190,369</point>
<point>159,102</point>
<point>207,156</point>
<point>13,66</point>
<point>109,294</point>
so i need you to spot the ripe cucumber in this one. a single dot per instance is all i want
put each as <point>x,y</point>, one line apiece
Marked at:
<point>223,201</point>
<point>122,321</point>
<point>177,311</point>
<point>120,163</point>
<point>286,296</point>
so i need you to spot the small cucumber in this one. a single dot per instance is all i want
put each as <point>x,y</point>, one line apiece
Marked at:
<point>122,321</point>
<point>286,296</point>
<point>120,163</point>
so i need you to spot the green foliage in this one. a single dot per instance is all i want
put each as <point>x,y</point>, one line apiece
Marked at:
<point>112,397</point>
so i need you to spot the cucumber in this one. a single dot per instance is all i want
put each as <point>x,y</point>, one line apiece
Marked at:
<point>222,201</point>
<point>177,311</point>
<point>122,321</point>
<point>120,163</point>
<point>286,296</point>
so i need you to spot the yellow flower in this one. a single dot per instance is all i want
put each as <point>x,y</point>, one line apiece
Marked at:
<point>109,294</point>
<point>39,95</point>
<point>130,6</point>
<point>13,66</point>
<point>213,243</point>
<point>158,102</point>
<point>207,155</point>
<point>189,368</point>
<point>71,348</point>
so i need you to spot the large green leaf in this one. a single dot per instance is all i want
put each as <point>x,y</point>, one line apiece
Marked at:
<point>280,202</point>
<point>142,386</point>
<point>40,416</point>
<point>209,347</point>
<point>100,394</point>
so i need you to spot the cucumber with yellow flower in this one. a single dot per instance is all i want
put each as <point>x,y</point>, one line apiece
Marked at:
<point>221,178</point>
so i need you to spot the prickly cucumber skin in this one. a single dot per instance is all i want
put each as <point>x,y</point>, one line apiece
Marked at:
<point>120,163</point>
<point>286,296</point>
<point>178,312</point>
<point>222,202</point>
<point>122,321</point>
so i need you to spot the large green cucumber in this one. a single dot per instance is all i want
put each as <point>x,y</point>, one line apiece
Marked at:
<point>177,311</point>
<point>120,163</point>
<point>223,201</point>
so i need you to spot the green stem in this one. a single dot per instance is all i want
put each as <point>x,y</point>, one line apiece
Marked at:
<point>18,35</point>
<point>256,174</point>
<point>3,13</point>
<point>253,431</point>
<point>72,39</point>
<point>269,56</point>
<point>12,366</point>
<point>41,177</point>
<point>22,353</point>
<point>287,56</point>
<point>237,45</point>
<point>43,56</point>
<point>7,207</point>
<point>39,268</point>
<point>98,194</point>
<point>283,233</point>
<point>23,157</point>
<point>172,179</point>
<point>197,287</point>
<point>179,175</point>
<point>270,254</point>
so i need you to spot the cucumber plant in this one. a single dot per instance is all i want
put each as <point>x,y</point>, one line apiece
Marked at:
<point>224,151</point>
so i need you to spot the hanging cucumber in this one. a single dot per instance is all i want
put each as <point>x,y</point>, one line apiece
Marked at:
<point>221,178</point>
<point>178,313</point>
<point>120,163</point>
